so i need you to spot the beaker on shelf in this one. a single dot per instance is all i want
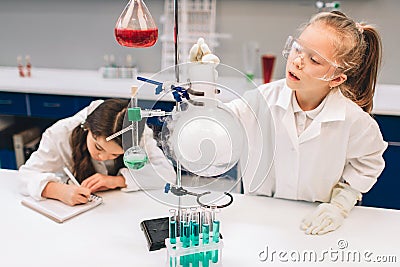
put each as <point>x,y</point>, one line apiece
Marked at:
<point>250,59</point>
<point>268,62</point>
<point>135,27</point>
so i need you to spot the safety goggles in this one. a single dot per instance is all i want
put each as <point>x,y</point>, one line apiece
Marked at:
<point>313,63</point>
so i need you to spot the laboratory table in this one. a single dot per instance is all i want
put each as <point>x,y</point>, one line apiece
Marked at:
<point>257,231</point>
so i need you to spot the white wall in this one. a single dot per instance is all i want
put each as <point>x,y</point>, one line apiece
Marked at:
<point>77,33</point>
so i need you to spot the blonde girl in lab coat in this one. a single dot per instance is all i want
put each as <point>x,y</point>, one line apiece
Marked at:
<point>311,136</point>
<point>79,143</point>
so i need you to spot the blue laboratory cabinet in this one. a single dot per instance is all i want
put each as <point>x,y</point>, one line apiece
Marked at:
<point>41,105</point>
<point>13,104</point>
<point>33,109</point>
<point>385,193</point>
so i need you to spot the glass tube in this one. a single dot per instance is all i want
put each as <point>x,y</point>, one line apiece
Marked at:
<point>215,238</point>
<point>195,231</point>
<point>182,220</point>
<point>172,226</point>
<point>135,124</point>
<point>186,235</point>
<point>206,222</point>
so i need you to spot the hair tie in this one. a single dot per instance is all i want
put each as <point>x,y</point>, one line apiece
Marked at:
<point>83,125</point>
<point>360,27</point>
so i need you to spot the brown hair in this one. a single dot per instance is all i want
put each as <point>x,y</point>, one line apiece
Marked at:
<point>105,120</point>
<point>359,51</point>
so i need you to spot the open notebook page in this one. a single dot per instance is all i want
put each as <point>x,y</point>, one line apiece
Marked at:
<point>57,210</point>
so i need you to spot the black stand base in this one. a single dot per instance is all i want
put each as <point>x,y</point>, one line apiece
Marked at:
<point>156,231</point>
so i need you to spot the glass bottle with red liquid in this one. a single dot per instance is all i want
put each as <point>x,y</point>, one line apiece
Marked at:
<point>135,26</point>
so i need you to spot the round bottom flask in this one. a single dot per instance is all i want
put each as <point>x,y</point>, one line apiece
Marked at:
<point>135,158</point>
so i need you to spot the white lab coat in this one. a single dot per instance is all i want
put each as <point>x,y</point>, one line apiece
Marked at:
<point>54,152</point>
<point>342,143</point>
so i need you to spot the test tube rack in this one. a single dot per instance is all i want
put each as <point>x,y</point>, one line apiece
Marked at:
<point>202,255</point>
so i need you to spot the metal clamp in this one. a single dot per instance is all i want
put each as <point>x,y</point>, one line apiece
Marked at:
<point>180,191</point>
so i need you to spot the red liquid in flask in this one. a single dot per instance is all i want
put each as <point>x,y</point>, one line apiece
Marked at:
<point>136,38</point>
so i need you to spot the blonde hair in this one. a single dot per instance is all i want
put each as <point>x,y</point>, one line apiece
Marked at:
<point>359,50</point>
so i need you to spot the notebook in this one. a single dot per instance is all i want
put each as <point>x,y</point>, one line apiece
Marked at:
<point>57,210</point>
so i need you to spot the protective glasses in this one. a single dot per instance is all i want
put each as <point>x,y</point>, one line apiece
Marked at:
<point>311,62</point>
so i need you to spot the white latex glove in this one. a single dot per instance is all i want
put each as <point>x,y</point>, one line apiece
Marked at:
<point>200,52</point>
<point>329,216</point>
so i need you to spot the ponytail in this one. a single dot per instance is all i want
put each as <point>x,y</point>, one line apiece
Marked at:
<point>362,83</point>
<point>359,51</point>
<point>81,158</point>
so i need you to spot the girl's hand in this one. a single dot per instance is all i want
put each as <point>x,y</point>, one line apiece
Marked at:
<point>69,194</point>
<point>101,182</point>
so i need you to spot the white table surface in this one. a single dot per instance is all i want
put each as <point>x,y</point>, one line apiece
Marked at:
<point>110,235</point>
<point>91,83</point>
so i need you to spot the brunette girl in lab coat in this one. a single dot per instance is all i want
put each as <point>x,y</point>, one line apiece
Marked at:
<point>79,143</point>
<point>311,136</point>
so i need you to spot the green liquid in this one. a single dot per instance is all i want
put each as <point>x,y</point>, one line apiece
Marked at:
<point>206,240</point>
<point>181,238</point>
<point>172,232</point>
<point>206,233</point>
<point>195,234</point>
<point>186,235</point>
<point>135,162</point>
<point>216,231</point>
<point>181,230</point>
<point>215,240</point>
<point>206,259</point>
<point>195,260</point>
<point>186,243</point>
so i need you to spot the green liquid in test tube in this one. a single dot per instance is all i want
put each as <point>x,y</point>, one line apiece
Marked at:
<point>195,233</point>
<point>172,226</point>
<point>186,243</point>
<point>195,242</point>
<point>215,240</point>
<point>182,220</point>
<point>172,233</point>
<point>206,240</point>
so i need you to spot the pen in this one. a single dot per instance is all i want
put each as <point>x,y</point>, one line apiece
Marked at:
<point>71,176</point>
<point>73,179</point>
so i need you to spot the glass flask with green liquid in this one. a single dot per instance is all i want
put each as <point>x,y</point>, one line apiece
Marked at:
<point>135,157</point>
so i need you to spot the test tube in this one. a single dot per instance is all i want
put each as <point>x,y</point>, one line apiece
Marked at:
<point>216,226</point>
<point>172,226</point>
<point>186,243</point>
<point>28,65</point>
<point>135,127</point>
<point>206,221</point>
<point>182,220</point>
<point>195,235</point>
<point>195,231</point>
<point>20,67</point>
<point>172,233</point>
